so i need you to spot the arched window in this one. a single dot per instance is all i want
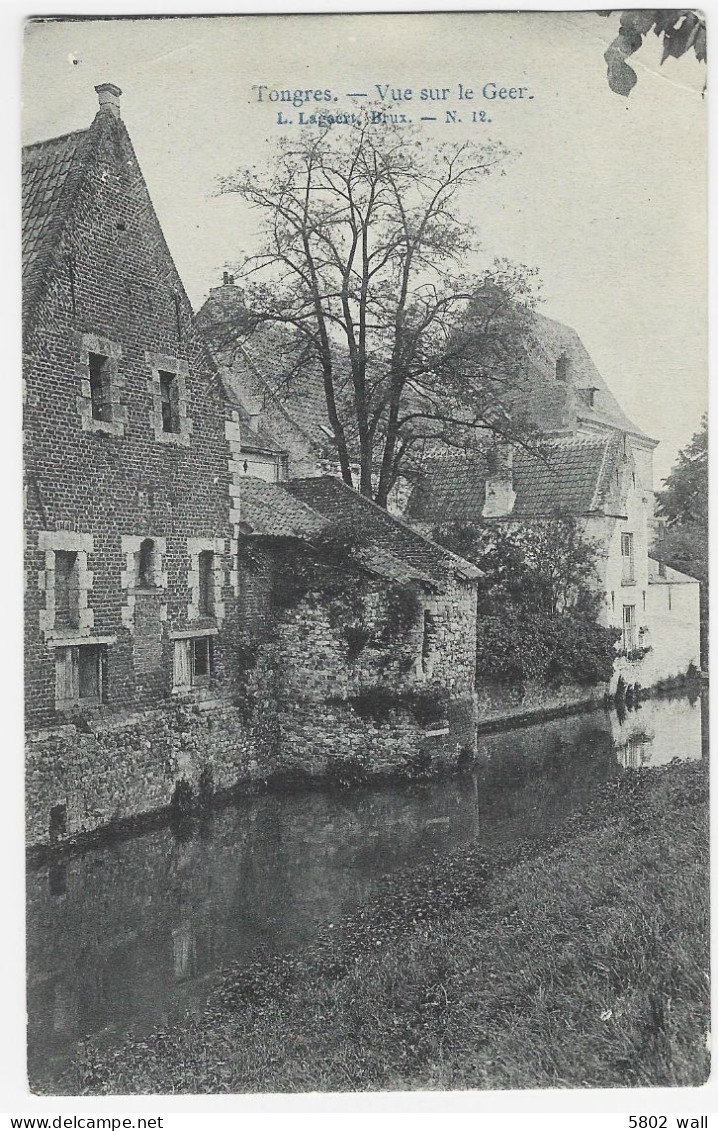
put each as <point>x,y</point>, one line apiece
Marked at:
<point>146,564</point>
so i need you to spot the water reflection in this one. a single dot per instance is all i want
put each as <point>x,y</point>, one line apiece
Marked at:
<point>129,936</point>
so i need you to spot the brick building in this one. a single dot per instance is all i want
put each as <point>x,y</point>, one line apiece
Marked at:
<point>129,571</point>
<point>142,470</point>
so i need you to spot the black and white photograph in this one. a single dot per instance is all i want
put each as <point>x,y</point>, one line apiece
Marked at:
<point>365,468</point>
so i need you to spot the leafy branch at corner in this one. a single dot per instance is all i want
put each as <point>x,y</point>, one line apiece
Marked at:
<point>681,30</point>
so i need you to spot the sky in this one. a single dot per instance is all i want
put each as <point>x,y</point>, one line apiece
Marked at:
<point>606,196</point>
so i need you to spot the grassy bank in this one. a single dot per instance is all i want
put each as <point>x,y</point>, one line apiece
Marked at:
<point>582,962</point>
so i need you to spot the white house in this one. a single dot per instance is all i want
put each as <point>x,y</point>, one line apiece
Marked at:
<point>597,466</point>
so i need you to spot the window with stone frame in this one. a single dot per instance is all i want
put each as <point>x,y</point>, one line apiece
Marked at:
<point>100,387</point>
<point>67,589</point>
<point>79,675</point>
<point>168,389</point>
<point>146,565</point>
<point>206,583</point>
<point>101,384</point>
<point>170,402</point>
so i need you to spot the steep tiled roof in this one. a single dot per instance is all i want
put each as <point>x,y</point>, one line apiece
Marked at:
<point>257,364</point>
<point>544,341</point>
<point>566,475</point>
<point>49,179</point>
<point>333,499</point>
<point>251,439</point>
<point>268,509</point>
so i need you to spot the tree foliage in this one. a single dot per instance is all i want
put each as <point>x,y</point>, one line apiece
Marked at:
<point>363,265</point>
<point>538,602</point>
<point>681,30</point>
<point>683,507</point>
<point>684,498</point>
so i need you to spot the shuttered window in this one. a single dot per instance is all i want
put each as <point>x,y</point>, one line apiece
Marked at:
<point>192,662</point>
<point>182,664</point>
<point>79,672</point>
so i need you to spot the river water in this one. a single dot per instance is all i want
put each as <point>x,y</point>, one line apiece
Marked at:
<point>130,936</point>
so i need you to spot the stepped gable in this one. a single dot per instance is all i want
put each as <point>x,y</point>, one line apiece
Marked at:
<point>571,476</point>
<point>343,505</point>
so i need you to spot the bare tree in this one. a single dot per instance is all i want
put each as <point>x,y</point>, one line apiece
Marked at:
<point>363,260</point>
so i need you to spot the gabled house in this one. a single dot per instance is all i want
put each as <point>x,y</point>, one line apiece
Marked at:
<point>130,468</point>
<point>147,480</point>
<point>129,592</point>
<point>596,475</point>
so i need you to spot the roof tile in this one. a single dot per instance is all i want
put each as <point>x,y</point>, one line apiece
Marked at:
<point>564,475</point>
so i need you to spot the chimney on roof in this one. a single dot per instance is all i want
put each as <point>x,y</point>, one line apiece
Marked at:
<point>227,279</point>
<point>500,494</point>
<point>108,95</point>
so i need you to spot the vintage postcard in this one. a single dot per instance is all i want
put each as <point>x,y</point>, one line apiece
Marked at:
<point>366,639</point>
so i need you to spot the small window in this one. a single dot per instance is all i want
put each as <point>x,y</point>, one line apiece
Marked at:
<point>170,402</point>
<point>561,367</point>
<point>146,564</point>
<point>100,386</point>
<point>58,821</point>
<point>201,659</point>
<point>193,662</point>
<point>627,559</point>
<point>206,583</point>
<point>67,608</point>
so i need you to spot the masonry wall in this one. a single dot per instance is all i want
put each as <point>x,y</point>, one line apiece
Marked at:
<point>79,780</point>
<point>496,704</point>
<point>102,488</point>
<point>318,686</point>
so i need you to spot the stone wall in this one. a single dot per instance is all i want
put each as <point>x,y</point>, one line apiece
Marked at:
<point>81,780</point>
<point>496,703</point>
